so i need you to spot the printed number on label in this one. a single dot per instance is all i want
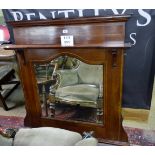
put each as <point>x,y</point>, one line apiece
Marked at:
<point>67,41</point>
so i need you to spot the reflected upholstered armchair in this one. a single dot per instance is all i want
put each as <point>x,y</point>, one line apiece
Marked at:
<point>82,85</point>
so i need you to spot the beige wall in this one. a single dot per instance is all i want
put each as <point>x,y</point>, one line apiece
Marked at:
<point>1,18</point>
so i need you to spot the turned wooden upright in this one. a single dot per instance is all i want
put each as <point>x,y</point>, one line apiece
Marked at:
<point>97,40</point>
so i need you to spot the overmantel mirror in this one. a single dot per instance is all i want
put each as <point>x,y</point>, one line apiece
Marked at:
<point>71,72</point>
<point>70,89</point>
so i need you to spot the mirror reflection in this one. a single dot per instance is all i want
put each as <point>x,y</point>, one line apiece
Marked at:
<point>70,89</point>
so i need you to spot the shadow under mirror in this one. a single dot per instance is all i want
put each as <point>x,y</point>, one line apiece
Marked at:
<point>70,89</point>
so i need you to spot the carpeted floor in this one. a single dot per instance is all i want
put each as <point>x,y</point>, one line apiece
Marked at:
<point>140,137</point>
<point>136,136</point>
<point>11,122</point>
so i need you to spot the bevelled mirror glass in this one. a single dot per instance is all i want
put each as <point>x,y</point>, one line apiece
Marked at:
<point>70,89</point>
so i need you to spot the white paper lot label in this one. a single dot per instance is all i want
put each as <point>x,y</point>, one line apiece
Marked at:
<point>67,40</point>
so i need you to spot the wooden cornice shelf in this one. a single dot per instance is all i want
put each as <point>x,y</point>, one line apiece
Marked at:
<point>44,46</point>
<point>70,21</point>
